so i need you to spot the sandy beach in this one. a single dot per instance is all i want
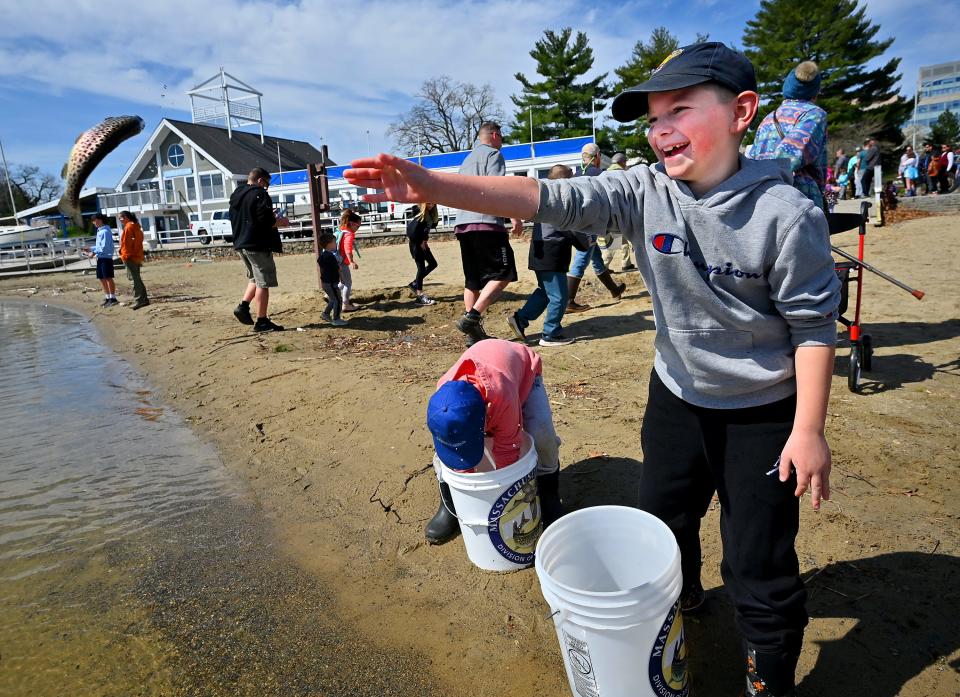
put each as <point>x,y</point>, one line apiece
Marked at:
<point>327,427</point>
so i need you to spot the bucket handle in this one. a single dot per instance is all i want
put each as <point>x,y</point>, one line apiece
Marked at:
<point>486,522</point>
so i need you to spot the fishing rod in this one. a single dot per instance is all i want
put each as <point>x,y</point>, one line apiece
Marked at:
<point>918,294</point>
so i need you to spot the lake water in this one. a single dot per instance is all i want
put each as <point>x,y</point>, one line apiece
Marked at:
<point>130,564</point>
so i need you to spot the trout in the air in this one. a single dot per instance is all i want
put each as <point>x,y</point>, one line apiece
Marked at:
<point>91,147</point>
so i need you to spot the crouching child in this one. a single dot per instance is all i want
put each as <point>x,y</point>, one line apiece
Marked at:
<point>495,390</point>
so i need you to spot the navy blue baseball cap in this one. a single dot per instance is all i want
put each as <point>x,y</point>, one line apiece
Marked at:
<point>457,417</point>
<point>710,61</point>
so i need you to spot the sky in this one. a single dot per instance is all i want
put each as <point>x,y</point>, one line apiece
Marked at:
<point>335,73</point>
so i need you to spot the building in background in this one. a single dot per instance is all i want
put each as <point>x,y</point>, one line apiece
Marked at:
<point>185,172</point>
<point>938,90</point>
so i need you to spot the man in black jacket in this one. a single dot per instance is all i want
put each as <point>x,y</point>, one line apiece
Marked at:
<point>256,238</point>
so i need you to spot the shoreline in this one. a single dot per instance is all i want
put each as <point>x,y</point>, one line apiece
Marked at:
<point>327,434</point>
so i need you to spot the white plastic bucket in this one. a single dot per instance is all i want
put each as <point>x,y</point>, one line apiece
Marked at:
<point>499,511</point>
<point>611,576</point>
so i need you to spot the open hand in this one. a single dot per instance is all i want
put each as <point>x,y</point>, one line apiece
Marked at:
<point>809,454</point>
<point>398,179</point>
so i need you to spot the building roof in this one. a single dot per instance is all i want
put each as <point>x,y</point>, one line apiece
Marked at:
<point>51,206</point>
<point>244,151</point>
<point>452,160</point>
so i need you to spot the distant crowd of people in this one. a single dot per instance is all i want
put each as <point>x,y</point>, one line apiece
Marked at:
<point>559,259</point>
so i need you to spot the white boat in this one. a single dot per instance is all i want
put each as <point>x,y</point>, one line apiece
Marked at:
<point>21,235</point>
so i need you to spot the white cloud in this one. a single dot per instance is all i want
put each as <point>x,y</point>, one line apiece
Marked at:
<point>330,69</point>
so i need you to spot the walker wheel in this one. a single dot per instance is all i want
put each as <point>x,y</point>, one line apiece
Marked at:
<point>866,352</point>
<point>853,376</point>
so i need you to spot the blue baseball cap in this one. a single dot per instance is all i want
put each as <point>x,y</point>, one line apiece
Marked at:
<point>710,61</point>
<point>456,417</point>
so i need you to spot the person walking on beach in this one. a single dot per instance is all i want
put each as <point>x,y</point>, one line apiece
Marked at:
<point>495,389</point>
<point>330,269</point>
<point>485,251</point>
<point>593,255</point>
<point>103,251</point>
<point>348,251</point>
<point>256,239</point>
<point>745,301</point>
<point>550,251</point>
<point>796,131</point>
<point>418,236</point>
<point>131,252</point>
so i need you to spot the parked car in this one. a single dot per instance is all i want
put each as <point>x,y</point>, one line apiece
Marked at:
<point>217,227</point>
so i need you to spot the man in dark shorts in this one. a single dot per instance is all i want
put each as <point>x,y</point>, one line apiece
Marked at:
<point>488,263</point>
<point>103,251</point>
<point>256,238</point>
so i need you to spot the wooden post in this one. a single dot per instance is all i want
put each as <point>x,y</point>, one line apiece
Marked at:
<point>319,202</point>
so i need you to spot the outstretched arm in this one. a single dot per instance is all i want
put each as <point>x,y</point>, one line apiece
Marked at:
<point>405,182</point>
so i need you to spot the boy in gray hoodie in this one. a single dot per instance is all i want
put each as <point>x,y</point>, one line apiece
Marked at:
<point>745,300</point>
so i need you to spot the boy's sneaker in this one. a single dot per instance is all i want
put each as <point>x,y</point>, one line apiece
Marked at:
<point>472,326</point>
<point>339,322</point>
<point>692,597</point>
<point>105,303</point>
<point>264,324</point>
<point>518,332</point>
<point>110,302</point>
<point>558,340</point>
<point>324,316</point>
<point>424,300</point>
<point>242,313</point>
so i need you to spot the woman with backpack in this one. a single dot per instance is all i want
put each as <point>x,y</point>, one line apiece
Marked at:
<point>797,131</point>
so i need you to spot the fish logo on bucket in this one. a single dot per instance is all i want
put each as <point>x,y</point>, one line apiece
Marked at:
<point>668,659</point>
<point>514,522</point>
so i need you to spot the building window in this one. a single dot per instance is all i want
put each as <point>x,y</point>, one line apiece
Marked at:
<point>211,186</point>
<point>191,189</point>
<point>145,224</point>
<point>175,155</point>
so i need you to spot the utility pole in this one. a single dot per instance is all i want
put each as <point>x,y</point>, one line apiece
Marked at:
<point>6,174</point>
<point>319,201</point>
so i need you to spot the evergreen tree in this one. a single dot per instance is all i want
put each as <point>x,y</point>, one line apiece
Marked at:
<point>631,138</point>
<point>560,105</point>
<point>946,129</point>
<point>837,35</point>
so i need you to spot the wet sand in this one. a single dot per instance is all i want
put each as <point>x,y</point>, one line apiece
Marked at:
<point>326,426</point>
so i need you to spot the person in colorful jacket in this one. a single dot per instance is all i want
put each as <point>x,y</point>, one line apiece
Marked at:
<point>797,131</point>
<point>131,252</point>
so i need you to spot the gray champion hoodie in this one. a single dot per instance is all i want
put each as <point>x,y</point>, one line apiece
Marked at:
<point>739,277</point>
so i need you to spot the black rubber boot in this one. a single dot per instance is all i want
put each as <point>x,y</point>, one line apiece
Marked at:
<point>770,674</point>
<point>444,525</point>
<point>573,284</point>
<point>548,489</point>
<point>616,289</point>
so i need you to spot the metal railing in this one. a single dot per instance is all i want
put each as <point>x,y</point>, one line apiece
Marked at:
<point>51,254</point>
<point>139,200</point>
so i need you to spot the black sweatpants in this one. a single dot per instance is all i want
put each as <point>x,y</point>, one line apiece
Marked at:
<point>424,260</point>
<point>688,453</point>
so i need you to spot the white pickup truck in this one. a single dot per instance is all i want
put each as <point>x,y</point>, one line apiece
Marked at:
<point>217,227</point>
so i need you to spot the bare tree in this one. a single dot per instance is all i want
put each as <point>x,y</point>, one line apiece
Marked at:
<point>30,187</point>
<point>446,117</point>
